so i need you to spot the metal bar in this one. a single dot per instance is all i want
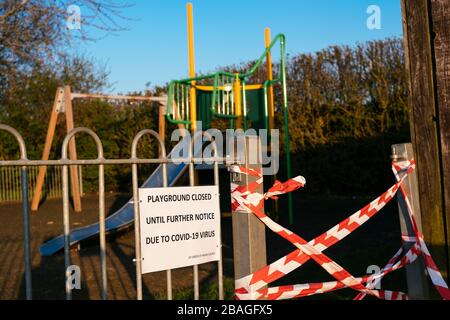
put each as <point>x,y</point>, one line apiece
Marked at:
<point>10,193</point>
<point>137,239</point>
<point>14,184</point>
<point>26,234</point>
<point>18,176</point>
<point>102,227</point>
<point>62,162</point>
<point>75,95</point>
<point>188,111</point>
<point>220,262</point>
<point>8,174</point>
<point>416,276</point>
<point>286,125</point>
<point>49,183</point>
<point>182,115</point>
<point>52,187</point>
<point>25,211</point>
<point>266,110</point>
<point>80,177</point>
<point>192,183</point>
<point>137,227</point>
<point>231,107</point>
<point>223,96</point>
<point>177,103</point>
<point>65,146</point>
<point>66,222</point>
<point>6,184</point>
<point>244,106</point>
<point>31,176</point>
<point>168,272</point>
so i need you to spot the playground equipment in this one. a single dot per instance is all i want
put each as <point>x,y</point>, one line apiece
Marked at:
<point>221,95</point>
<point>123,217</point>
<point>225,98</point>
<point>232,96</point>
<point>63,104</point>
<point>191,100</point>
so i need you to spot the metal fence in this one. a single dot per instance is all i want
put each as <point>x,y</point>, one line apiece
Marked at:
<point>10,183</point>
<point>24,164</point>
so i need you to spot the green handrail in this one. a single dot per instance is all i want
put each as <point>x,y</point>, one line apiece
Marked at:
<point>243,77</point>
<point>215,76</point>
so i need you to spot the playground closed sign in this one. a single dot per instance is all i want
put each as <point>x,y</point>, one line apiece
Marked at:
<point>179,227</point>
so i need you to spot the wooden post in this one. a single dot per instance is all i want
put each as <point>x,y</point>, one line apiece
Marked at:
<point>426,29</point>
<point>249,238</point>
<point>416,275</point>
<point>74,181</point>
<point>57,105</point>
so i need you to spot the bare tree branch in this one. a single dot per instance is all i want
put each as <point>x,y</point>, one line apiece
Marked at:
<point>35,32</point>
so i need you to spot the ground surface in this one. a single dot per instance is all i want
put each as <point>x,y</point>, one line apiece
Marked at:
<point>373,244</point>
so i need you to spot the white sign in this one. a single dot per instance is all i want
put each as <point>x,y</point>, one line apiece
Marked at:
<point>179,226</point>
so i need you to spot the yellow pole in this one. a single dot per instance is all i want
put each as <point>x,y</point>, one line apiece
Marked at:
<point>190,26</point>
<point>238,102</point>
<point>269,77</point>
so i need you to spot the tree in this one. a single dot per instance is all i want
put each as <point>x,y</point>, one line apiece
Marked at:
<point>34,32</point>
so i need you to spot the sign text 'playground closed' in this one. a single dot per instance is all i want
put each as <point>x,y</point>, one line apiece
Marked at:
<point>179,227</point>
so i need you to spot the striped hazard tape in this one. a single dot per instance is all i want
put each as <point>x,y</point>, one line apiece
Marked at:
<point>254,286</point>
<point>432,269</point>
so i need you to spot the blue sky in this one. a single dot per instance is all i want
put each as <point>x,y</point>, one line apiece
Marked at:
<point>154,49</point>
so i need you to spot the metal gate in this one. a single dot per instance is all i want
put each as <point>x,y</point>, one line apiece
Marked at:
<point>25,165</point>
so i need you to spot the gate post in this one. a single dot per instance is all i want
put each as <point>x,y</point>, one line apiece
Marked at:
<point>416,276</point>
<point>249,238</point>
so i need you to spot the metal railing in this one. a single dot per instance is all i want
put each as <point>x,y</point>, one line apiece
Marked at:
<point>10,183</point>
<point>25,164</point>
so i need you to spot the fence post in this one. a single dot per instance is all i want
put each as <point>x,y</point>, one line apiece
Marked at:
<point>249,238</point>
<point>416,276</point>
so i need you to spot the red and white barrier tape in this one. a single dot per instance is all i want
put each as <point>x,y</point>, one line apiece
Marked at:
<point>245,198</point>
<point>433,271</point>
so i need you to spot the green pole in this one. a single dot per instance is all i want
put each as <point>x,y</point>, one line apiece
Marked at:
<point>266,111</point>
<point>286,126</point>
<point>244,106</point>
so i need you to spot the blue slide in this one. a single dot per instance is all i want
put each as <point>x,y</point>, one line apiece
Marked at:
<point>124,216</point>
